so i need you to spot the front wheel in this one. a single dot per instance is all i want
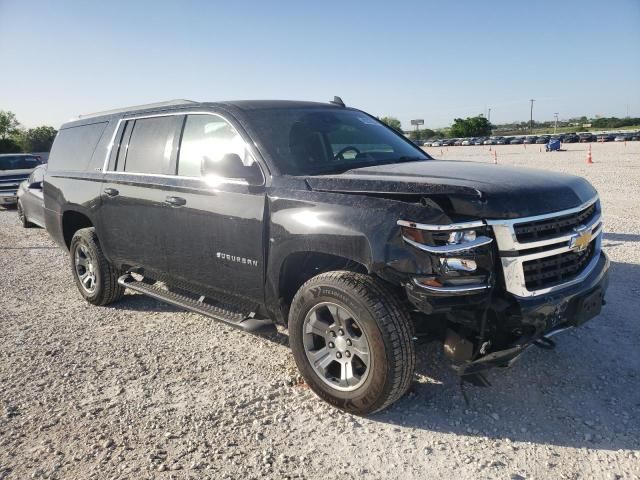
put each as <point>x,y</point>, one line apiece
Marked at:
<point>22,217</point>
<point>352,340</point>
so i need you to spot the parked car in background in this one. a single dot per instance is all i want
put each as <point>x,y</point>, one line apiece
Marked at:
<point>542,140</point>
<point>605,137</point>
<point>478,141</point>
<point>570,138</point>
<point>436,143</point>
<point>458,142</point>
<point>635,136</point>
<point>419,143</point>
<point>490,141</point>
<point>30,203</point>
<point>586,138</point>
<point>466,142</point>
<point>622,137</point>
<point>503,141</point>
<point>530,139</point>
<point>14,168</point>
<point>516,141</point>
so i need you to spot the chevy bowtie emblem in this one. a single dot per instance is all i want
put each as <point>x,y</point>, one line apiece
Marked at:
<point>580,240</point>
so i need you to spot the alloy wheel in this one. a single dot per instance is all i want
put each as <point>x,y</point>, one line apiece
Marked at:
<point>336,346</point>
<point>85,268</point>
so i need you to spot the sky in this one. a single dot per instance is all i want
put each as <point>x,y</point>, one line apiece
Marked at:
<point>409,59</point>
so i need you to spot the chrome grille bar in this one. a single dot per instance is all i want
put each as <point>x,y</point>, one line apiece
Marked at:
<point>513,253</point>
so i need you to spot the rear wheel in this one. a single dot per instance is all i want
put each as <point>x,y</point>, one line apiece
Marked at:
<point>95,277</point>
<point>352,341</point>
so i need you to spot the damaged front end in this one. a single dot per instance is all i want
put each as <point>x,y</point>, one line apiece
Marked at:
<point>491,290</point>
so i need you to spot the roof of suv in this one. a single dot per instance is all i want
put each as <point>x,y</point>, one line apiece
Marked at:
<point>181,104</point>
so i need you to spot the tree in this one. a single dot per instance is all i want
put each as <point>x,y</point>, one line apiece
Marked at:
<point>9,124</point>
<point>423,134</point>
<point>9,145</point>
<point>471,127</point>
<point>393,123</point>
<point>38,139</point>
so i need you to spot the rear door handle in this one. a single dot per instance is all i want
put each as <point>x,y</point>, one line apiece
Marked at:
<point>175,201</point>
<point>111,192</point>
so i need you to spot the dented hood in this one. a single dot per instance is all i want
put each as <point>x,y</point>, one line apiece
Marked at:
<point>474,189</point>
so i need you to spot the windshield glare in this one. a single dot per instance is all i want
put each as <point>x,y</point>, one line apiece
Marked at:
<point>320,141</point>
<point>18,162</point>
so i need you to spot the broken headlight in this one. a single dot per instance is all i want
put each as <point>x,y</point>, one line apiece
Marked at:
<point>456,253</point>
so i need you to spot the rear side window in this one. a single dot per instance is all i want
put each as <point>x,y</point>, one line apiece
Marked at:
<point>152,145</point>
<point>73,147</point>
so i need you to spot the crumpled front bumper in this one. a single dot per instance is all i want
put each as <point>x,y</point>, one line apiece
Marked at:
<point>559,311</point>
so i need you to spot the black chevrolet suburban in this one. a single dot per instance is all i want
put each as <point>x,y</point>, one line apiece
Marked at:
<point>322,219</point>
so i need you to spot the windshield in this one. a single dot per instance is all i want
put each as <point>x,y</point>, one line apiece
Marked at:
<point>314,141</point>
<point>18,162</point>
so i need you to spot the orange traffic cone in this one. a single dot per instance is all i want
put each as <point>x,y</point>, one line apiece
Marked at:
<point>589,160</point>
<point>441,152</point>
<point>495,157</point>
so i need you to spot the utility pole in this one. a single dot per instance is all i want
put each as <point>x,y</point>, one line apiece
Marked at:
<point>531,119</point>
<point>489,115</point>
<point>555,127</point>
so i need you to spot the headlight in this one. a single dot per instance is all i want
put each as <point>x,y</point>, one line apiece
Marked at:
<point>445,239</point>
<point>455,252</point>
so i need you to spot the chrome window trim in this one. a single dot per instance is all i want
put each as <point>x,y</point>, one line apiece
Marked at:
<point>454,248</point>
<point>223,180</point>
<point>439,228</point>
<point>512,266</point>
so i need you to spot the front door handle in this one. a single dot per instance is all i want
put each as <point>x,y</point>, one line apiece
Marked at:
<point>111,192</point>
<point>175,201</point>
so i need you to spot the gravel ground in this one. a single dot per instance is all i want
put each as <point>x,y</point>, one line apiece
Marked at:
<point>143,390</point>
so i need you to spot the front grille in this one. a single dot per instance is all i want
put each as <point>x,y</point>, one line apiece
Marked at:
<point>553,261</point>
<point>548,271</point>
<point>8,187</point>
<point>553,227</point>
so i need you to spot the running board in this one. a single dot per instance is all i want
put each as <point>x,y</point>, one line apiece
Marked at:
<point>240,318</point>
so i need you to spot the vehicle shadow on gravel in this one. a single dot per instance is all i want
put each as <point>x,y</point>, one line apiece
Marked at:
<point>585,393</point>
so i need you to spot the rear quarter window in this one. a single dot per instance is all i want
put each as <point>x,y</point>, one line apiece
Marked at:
<point>74,146</point>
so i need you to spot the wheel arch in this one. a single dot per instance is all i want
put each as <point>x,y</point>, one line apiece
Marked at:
<point>72,221</point>
<point>298,267</point>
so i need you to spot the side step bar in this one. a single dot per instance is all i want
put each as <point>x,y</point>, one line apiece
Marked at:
<point>236,318</point>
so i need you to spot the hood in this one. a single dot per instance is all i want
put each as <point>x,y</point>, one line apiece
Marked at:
<point>15,174</point>
<point>474,189</point>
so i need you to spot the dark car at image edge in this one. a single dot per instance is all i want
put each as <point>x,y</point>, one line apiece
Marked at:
<point>322,219</point>
<point>15,168</point>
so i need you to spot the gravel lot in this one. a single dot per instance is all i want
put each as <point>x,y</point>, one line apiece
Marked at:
<point>143,390</point>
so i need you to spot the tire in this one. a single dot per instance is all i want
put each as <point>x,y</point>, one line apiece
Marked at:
<point>100,285</point>
<point>22,217</point>
<point>370,311</point>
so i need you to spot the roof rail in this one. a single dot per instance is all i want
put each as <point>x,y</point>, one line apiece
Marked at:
<point>169,103</point>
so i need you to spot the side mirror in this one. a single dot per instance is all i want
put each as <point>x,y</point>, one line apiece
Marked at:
<point>35,185</point>
<point>230,166</point>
